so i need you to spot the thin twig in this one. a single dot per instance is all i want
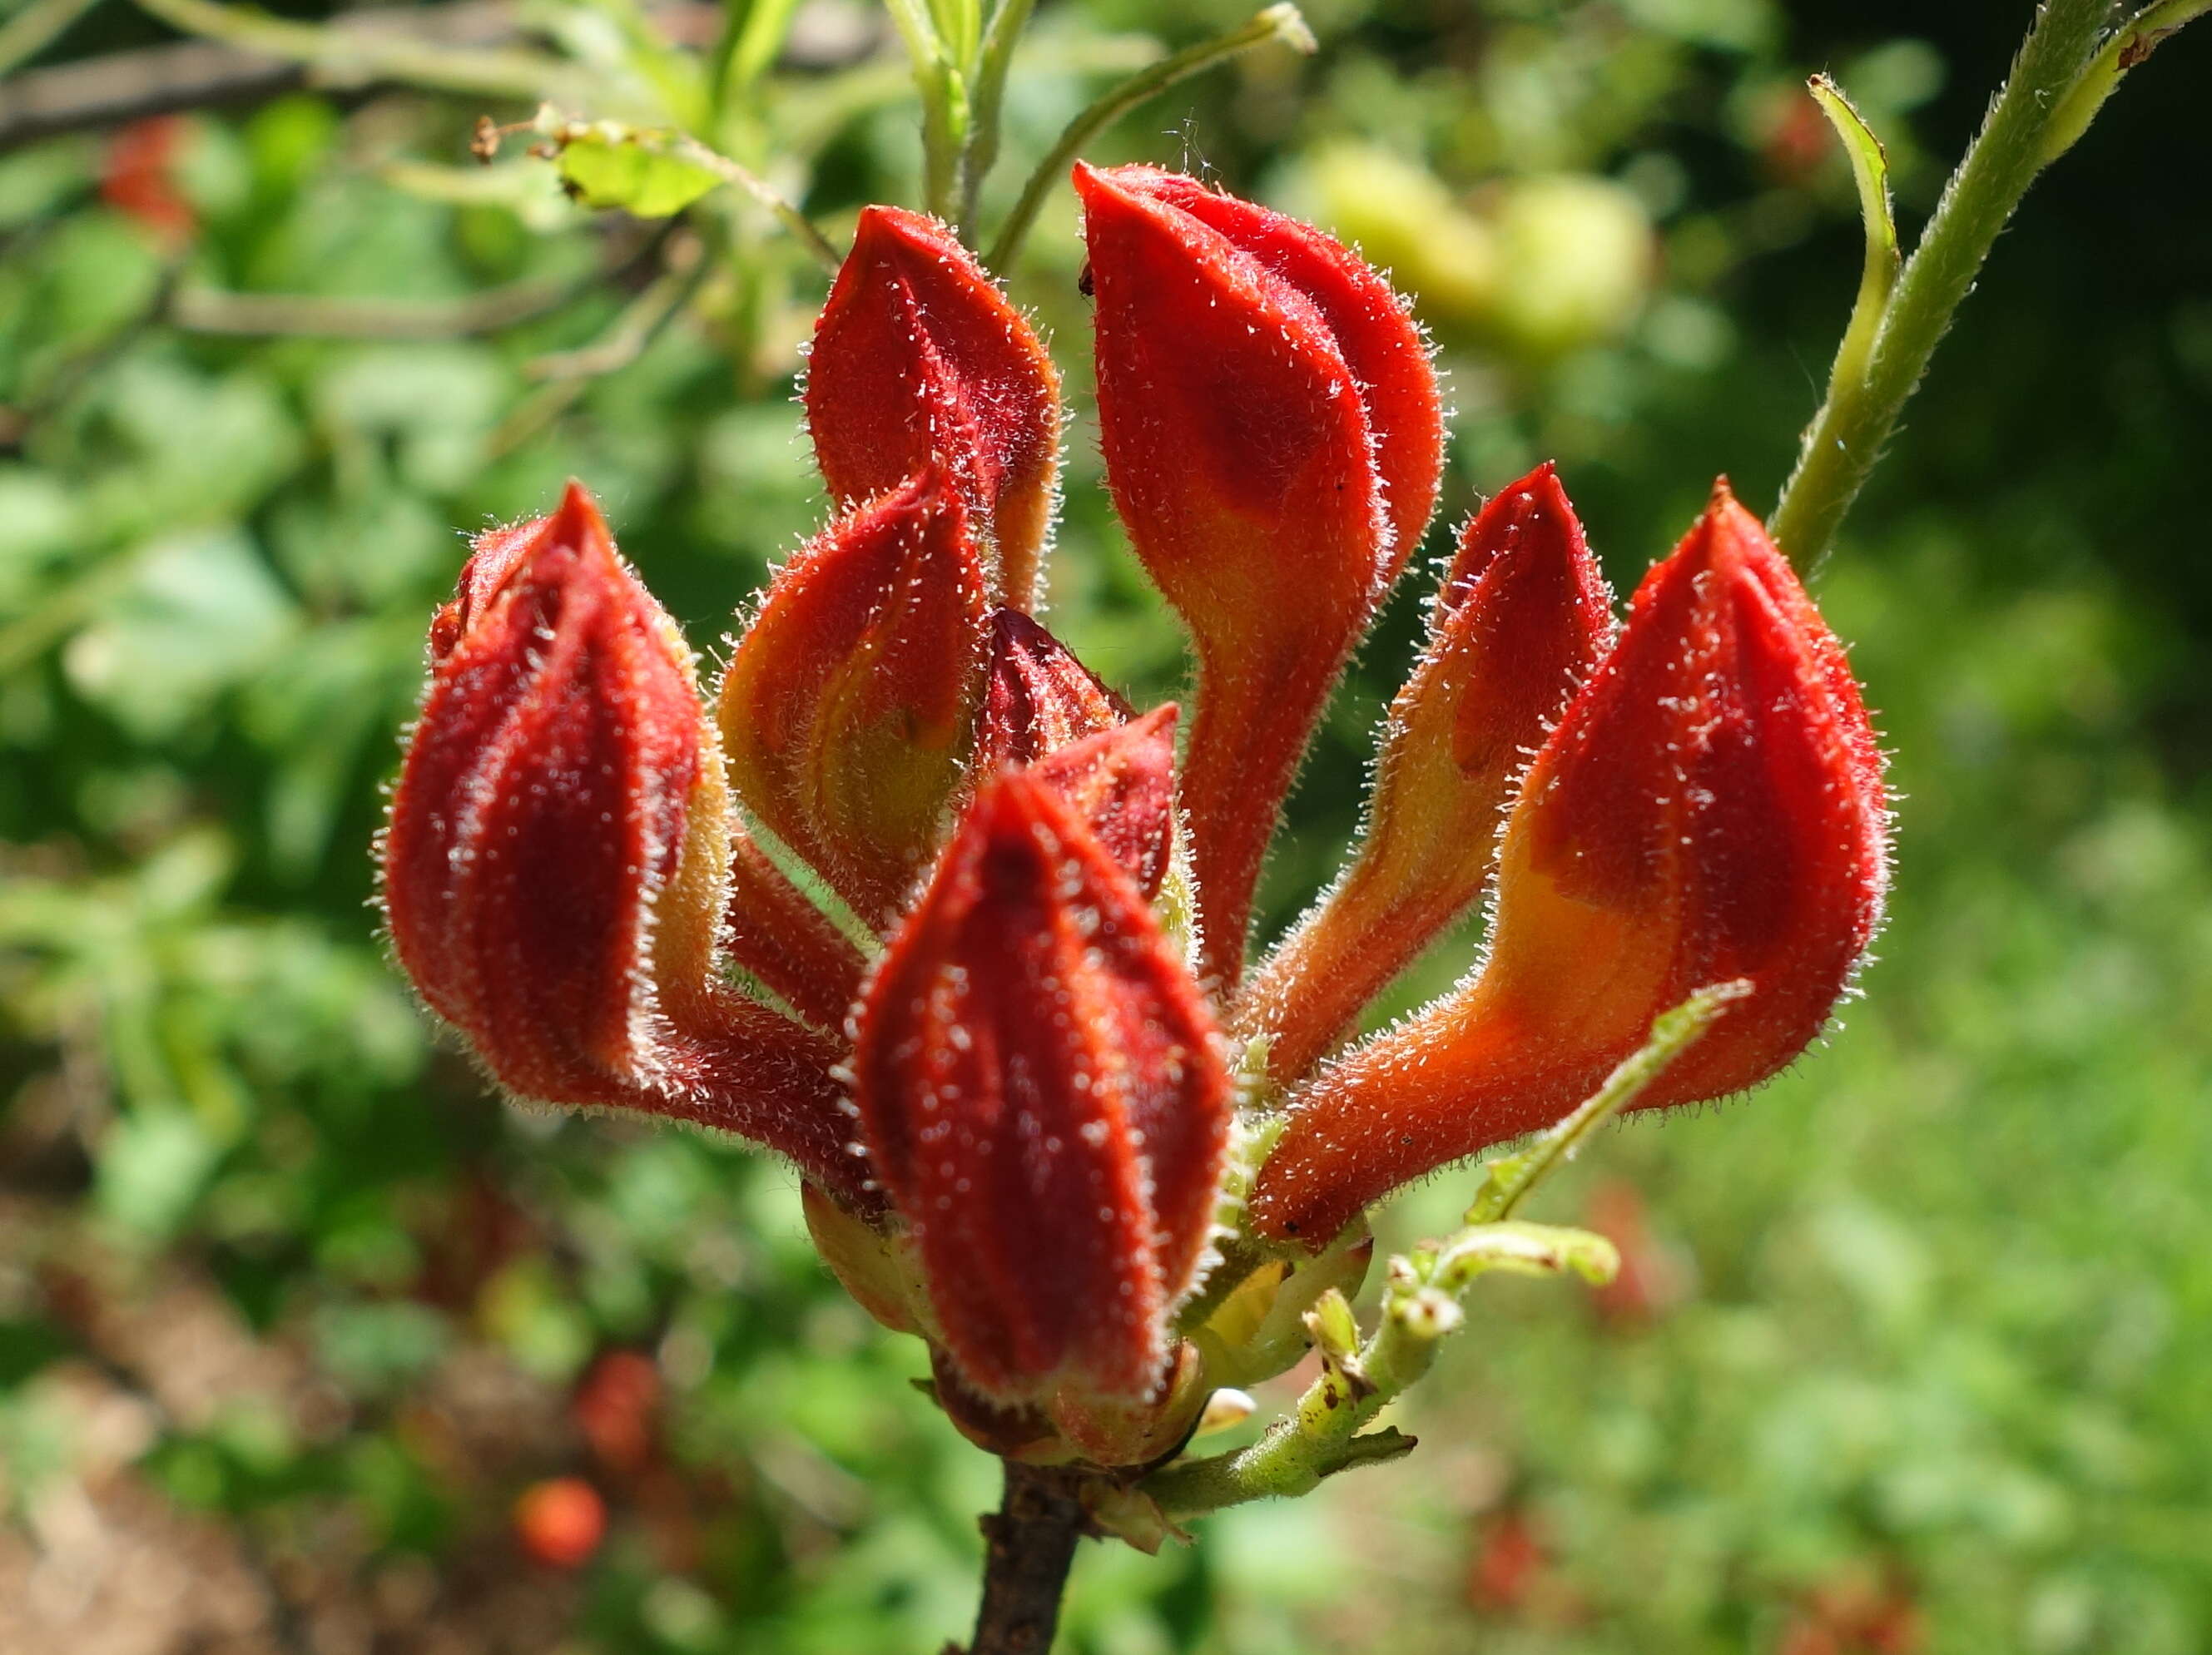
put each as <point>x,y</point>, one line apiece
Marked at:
<point>787,212</point>
<point>311,316</point>
<point>639,323</point>
<point>314,316</point>
<point>339,55</point>
<point>1280,22</point>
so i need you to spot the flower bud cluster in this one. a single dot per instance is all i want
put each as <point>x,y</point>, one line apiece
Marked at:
<point>914,901</point>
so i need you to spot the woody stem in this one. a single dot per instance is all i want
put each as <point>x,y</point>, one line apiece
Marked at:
<point>1029,1544</point>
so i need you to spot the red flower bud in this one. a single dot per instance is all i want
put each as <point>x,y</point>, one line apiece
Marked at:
<point>1121,785</point>
<point>1711,807</point>
<point>917,358</point>
<point>1272,436</point>
<point>1037,697</point>
<point>553,869</point>
<point>1042,707</point>
<point>1521,618</point>
<point>850,701</point>
<point>1040,1092</point>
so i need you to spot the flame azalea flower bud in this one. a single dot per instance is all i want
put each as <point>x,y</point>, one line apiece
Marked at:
<point>1709,807</point>
<point>1121,783</point>
<point>850,702</point>
<point>553,869</point>
<point>1273,437</point>
<point>1040,1092</point>
<point>1521,618</point>
<point>1037,697</point>
<point>918,357</point>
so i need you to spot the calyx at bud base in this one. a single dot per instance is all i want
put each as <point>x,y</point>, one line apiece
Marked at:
<point>1273,437</point>
<point>1520,617</point>
<point>849,704</point>
<point>554,867</point>
<point>1709,808</point>
<point>1042,1096</point>
<point>919,358</point>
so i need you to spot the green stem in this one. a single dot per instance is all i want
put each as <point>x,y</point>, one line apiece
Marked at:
<point>1847,435</point>
<point>809,234</point>
<point>944,105</point>
<point>987,104</point>
<point>1280,22</point>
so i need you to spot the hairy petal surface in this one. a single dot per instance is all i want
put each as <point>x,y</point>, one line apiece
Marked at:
<point>1041,1094</point>
<point>1521,618</point>
<point>919,358</point>
<point>1711,807</point>
<point>1272,439</point>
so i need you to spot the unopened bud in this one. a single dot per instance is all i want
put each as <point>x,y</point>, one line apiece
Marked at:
<point>919,358</point>
<point>1273,437</point>
<point>1521,618</point>
<point>1041,1094</point>
<point>850,701</point>
<point>1709,808</point>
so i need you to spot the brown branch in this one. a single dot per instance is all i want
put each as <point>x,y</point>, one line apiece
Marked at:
<point>1031,1542</point>
<point>127,86</point>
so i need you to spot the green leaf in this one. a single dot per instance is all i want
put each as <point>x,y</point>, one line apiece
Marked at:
<point>1870,172</point>
<point>640,172</point>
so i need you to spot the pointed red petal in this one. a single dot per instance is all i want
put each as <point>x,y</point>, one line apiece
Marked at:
<point>1709,808</point>
<point>1521,618</point>
<point>918,358</point>
<point>1243,449</point>
<point>1041,1094</point>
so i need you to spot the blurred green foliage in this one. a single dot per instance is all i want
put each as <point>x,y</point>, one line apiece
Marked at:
<point>290,1311</point>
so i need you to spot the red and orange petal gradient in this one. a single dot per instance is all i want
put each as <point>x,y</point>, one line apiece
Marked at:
<point>1273,437</point>
<point>1041,1093</point>
<point>849,704</point>
<point>1711,807</point>
<point>1521,618</point>
<point>554,863</point>
<point>919,358</point>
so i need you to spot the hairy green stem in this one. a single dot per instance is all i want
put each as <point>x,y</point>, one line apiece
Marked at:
<point>1847,435</point>
<point>944,105</point>
<point>1280,22</point>
<point>987,106</point>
